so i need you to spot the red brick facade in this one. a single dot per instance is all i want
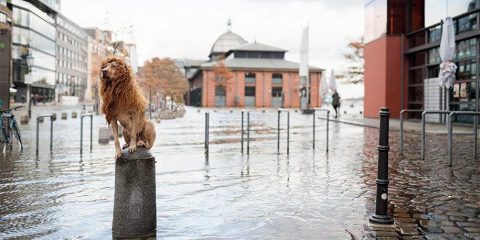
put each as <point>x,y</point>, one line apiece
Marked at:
<point>235,88</point>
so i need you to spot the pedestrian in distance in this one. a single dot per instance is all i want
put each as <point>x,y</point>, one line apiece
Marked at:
<point>335,102</point>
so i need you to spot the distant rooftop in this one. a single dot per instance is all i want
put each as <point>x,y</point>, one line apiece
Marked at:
<point>257,47</point>
<point>260,63</point>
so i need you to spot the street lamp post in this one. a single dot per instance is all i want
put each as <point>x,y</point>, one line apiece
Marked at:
<point>29,82</point>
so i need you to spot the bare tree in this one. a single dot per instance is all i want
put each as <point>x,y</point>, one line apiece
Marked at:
<point>354,56</point>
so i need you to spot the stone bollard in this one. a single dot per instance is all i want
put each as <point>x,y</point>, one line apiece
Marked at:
<point>24,119</point>
<point>134,208</point>
<point>54,116</point>
<point>103,135</point>
<point>74,114</point>
<point>64,115</point>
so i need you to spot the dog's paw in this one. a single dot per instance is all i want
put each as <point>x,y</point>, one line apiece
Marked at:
<point>125,146</point>
<point>118,154</point>
<point>132,148</point>
<point>140,143</point>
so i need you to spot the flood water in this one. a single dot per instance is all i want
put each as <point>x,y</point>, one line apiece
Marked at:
<point>307,194</point>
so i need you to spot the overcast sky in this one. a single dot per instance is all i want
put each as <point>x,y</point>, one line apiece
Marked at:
<point>188,28</point>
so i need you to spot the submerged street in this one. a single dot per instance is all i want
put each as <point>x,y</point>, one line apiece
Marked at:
<point>307,194</point>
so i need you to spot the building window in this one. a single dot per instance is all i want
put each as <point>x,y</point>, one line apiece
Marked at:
<point>277,78</point>
<point>276,91</point>
<point>249,91</point>
<point>249,78</point>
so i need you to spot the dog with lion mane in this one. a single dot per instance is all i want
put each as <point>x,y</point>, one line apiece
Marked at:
<point>124,102</point>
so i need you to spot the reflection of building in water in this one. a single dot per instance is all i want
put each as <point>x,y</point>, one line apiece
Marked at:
<point>242,74</point>
<point>414,87</point>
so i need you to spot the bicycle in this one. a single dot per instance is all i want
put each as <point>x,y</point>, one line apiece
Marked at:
<point>8,123</point>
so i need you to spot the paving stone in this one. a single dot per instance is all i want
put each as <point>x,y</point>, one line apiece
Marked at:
<point>457,218</point>
<point>431,229</point>
<point>428,223</point>
<point>475,236</point>
<point>435,237</point>
<point>473,229</point>
<point>386,234</point>
<point>408,230</point>
<point>420,216</point>
<point>467,224</point>
<point>451,229</point>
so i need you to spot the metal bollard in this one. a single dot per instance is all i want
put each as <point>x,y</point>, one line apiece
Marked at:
<point>51,130</point>
<point>288,130</point>
<point>381,215</point>
<point>207,119</point>
<point>81,131</point>
<point>248,133</point>
<point>134,208</point>
<point>328,120</point>
<point>242,133</point>
<point>278,131</point>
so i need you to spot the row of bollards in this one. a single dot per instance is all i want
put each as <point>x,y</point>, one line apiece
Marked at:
<point>242,132</point>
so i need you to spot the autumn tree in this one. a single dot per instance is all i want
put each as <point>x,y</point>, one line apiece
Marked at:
<point>161,74</point>
<point>222,73</point>
<point>354,56</point>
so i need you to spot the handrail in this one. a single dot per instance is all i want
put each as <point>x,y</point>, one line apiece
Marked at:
<point>288,129</point>
<point>450,132</point>
<point>51,130</point>
<point>248,130</point>
<point>81,130</point>
<point>328,120</point>
<point>401,125</point>
<point>424,113</point>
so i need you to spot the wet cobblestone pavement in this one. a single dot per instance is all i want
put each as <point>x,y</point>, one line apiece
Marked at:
<point>305,195</point>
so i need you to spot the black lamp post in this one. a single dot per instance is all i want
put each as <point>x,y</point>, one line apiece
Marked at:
<point>29,66</point>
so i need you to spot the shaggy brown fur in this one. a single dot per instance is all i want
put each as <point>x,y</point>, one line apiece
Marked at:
<point>124,102</point>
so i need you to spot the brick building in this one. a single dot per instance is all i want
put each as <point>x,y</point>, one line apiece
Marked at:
<point>259,77</point>
<point>402,40</point>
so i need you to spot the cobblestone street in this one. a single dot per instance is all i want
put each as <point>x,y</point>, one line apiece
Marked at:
<point>304,195</point>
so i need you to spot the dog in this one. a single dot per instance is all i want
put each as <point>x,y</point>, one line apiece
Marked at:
<point>123,102</point>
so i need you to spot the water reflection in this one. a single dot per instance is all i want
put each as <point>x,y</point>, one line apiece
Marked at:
<point>306,194</point>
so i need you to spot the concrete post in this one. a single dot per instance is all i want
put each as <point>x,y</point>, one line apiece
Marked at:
<point>134,209</point>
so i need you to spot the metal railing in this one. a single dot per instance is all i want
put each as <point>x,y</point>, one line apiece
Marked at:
<point>248,130</point>
<point>450,132</point>
<point>81,130</point>
<point>51,130</point>
<point>328,120</point>
<point>424,113</point>
<point>401,125</point>
<point>288,130</point>
<point>207,129</point>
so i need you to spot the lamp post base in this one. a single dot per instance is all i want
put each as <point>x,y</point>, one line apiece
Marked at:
<point>381,219</point>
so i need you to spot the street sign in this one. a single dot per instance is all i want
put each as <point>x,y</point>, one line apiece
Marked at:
<point>28,79</point>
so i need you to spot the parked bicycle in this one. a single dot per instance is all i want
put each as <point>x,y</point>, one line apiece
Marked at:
<point>9,124</point>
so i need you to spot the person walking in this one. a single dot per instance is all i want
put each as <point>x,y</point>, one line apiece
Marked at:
<point>335,102</point>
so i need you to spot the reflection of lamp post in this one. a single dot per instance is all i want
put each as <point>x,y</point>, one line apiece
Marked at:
<point>29,82</point>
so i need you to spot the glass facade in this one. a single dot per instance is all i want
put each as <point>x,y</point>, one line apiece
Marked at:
<point>424,63</point>
<point>33,36</point>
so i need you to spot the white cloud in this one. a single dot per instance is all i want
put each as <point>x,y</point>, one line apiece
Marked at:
<point>188,28</point>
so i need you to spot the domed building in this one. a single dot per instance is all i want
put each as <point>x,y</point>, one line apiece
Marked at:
<point>243,74</point>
